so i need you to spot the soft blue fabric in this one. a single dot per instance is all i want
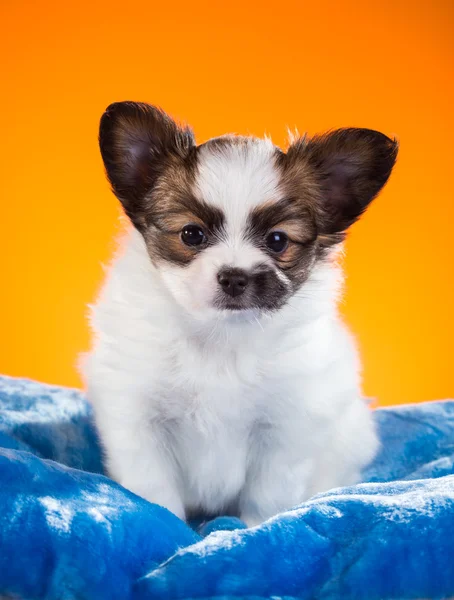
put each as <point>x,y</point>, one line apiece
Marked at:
<point>67,531</point>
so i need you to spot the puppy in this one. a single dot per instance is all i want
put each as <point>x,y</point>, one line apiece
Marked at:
<point>222,378</point>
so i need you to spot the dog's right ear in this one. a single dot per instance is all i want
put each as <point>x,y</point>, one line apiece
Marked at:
<point>136,142</point>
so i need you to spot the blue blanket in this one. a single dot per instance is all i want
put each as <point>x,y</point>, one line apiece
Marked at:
<point>67,531</point>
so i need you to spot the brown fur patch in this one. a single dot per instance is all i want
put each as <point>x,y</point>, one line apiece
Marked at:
<point>339,173</point>
<point>299,182</point>
<point>327,182</point>
<point>137,143</point>
<point>170,206</point>
<point>151,163</point>
<point>292,216</point>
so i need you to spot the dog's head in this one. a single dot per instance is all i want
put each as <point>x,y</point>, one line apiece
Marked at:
<point>236,223</point>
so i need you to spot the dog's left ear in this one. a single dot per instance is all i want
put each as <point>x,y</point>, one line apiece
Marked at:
<point>351,166</point>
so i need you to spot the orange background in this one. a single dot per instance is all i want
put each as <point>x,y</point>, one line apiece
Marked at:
<point>248,67</point>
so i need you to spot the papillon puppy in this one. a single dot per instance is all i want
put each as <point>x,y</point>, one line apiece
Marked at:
<point>222,378</point>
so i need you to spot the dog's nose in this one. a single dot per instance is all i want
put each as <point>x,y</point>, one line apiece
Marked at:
<point>233,281</point>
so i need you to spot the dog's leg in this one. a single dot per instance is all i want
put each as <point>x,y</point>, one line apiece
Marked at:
<point>276,480</point>
<point>138,458</point>
<point>280,477</point>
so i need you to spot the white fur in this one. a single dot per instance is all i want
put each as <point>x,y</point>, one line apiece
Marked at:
<point>225,411</point>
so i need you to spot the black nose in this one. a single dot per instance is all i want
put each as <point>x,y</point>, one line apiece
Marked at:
<point>233,281</point>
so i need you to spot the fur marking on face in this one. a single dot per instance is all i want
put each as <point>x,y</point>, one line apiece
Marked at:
<point>236,223</point>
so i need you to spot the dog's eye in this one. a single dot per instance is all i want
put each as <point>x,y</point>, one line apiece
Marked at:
<point>192,235</point>
<point>277,241</point>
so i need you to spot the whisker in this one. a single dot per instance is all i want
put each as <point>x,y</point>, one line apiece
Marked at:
<point>258,323</point>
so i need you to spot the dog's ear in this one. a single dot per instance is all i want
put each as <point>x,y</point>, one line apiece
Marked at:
<point>137,141</point>
<point>351,166</point>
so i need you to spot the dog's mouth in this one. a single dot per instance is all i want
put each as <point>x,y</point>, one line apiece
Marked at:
<point>234,304</point>
<point>252,304</point>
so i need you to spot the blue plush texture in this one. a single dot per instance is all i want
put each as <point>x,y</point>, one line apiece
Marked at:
<point>67,531</point>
